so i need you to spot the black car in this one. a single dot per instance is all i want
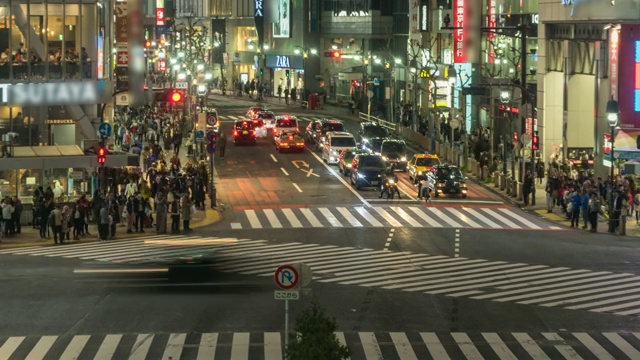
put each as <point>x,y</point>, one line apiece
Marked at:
<point>367,171</point>
<point>395,152</point>
<point>450,181</point>
<point>372,145</point>
<point>244,132</point>
<point>370,130</point>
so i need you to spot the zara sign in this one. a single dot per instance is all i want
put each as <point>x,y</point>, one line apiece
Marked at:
<point>295,62</point>
<point>259,8</point>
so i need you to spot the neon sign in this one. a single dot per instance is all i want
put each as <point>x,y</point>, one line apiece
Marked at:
<point>636,87</point>
<point>459,19</point>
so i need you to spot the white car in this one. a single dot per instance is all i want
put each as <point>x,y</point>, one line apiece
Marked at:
<point>268,118</point>
<point>334,142</point>
<point>285,123</point>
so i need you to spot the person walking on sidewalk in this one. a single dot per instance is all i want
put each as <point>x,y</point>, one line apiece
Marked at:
<point>103,222</point>
<point>161,213</point>
<point>594,210</point>
<point>17,214</point>
<point>575,200</point>
<point>186,211</point>
<point>584,207</point>
<point>540,171</point>
<point>286,96</point>
<point>55,220</point>
<point>222,144</point>
<point>175,214</point>
<point>527,186</point>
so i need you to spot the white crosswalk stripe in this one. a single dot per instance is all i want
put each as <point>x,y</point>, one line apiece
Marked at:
<point>389,216</point>
<point>361,345</point>
<point>232,118</point>
<point>479,279</point>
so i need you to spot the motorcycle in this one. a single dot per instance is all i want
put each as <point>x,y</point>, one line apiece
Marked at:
<point>390,188</point>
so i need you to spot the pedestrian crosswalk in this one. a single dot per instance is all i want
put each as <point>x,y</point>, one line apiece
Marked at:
<point>389,216</point>
<point>361,345</point>
<point>478,279</point>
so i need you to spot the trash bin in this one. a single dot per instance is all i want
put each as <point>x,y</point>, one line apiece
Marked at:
<point>313,101</point>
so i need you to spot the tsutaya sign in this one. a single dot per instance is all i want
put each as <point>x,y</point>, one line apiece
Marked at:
<point>54,93</point>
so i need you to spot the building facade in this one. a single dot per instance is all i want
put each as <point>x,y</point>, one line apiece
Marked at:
<point>588,52</point>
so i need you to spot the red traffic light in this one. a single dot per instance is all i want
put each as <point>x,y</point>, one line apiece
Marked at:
<point>176,97</point>
<point>336,54</point>
<point>515,137</point>
<point>102,155</point>
<point>147,44</point>
<point>535,142</point>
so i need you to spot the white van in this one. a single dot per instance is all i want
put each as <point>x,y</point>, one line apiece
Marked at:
<point>285,122</point>
<point>334,143</point>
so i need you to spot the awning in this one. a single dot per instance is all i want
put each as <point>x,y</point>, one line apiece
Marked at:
<point>37,161</point>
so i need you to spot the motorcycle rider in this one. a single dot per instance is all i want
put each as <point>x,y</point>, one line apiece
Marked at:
<point>389,175</point>
<point>424,180</point>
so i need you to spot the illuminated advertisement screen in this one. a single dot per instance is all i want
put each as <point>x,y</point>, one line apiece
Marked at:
<point>282,23</point>
<point>100,54</point>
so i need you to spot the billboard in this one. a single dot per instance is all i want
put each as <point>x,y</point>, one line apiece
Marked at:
<point>627,88</point>
<point>282,19</point>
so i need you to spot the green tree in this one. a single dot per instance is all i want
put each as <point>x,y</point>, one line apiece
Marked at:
<point>315,337</point>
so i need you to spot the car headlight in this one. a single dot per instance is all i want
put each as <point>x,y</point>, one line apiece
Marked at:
<point>391,182</point>
<point>360,176</point>
<point>334,151</point>
<point>379,175</point>
<point>440,184</point>
<point>403,159</point>
<point>385,158</point>
<point>349,166</point>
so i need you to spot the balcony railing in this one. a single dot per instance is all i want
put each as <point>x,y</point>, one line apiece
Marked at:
<point>38,71</point>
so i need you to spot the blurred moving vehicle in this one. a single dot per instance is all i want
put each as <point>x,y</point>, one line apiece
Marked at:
<point>373,145</point>
<point>450,181</point>
<point>244,132</point>
<point>370,130</point>
<point>253,110</point>
<point>367,171</point>
<point>420,163</point>
<point>395,152</point>
<point>334,143</point>
<point>316,130</point>
<point>285,122</point>
<point>289,140</point>
<point>346,158</point>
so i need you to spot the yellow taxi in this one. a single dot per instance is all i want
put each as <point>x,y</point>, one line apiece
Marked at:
<point>420,163</point>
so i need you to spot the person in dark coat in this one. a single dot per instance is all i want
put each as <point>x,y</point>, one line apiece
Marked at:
<point>527,186</point>
<point>222,144</point>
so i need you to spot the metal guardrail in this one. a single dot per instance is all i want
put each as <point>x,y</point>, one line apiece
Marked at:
<point>384,123</point>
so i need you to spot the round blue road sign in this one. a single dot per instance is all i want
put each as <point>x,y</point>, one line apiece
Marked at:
<point>199,134</point>
<point>211,148</point>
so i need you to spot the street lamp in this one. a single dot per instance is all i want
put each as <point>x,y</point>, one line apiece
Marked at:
<point>505,97</point>
<point>613,113</point>
<point>413,68</point>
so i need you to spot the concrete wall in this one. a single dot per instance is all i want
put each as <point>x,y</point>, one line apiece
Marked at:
<point>580,127</point>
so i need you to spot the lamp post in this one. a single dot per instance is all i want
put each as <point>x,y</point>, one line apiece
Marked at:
<point>305,55</point>
<point>505,98</point>
<point>613,113</point>
<point>453,122</point>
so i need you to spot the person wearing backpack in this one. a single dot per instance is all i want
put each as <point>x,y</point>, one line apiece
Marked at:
<point>594,209</point>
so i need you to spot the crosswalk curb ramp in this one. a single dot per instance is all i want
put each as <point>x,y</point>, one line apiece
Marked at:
<point>478,279</point>
<point>389,216</point>
<point>363,345</point>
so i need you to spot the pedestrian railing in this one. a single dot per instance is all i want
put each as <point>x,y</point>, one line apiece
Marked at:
<point>384,123</point>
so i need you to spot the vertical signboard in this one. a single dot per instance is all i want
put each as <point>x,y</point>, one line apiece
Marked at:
<point>491,23</point>
<point>423,18</point>
<point>258,18</point>
<point>100,54</point>
<point>624,53</point>
<point>122,22</point>
<point>459,20</point>
<point>282,22</point>
<point>122,43</point>
<point>160,13</point>
<point>614,42</point>
<point>314,16</point>
<point>415,37</point>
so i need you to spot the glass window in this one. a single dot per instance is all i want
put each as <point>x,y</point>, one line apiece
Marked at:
<point>371,161</point>
<point>343,141</point>
<point>393,147</point>
<point>427,162</point>
<point>374,131</point>
<point>246,38</point>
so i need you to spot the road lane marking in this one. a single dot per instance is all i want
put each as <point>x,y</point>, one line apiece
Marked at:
<point>253,219</point>
<point>240,346</point>
<point>456,250</point>
<point>174,346</point>
<point>292,218</point>
<point>530,346</point>
<point>311,218</point>
<point>297,187</point>
<point>440,214</point>
<point>350,218</point>
<point>273,219</point>
<point>109,346</point>
<point>330,218</point>
<point>10,346</point>
<point>367,216</point>
<point>284,171</point>
<point>236,226</point>
<point>207,348</point>
<point>339,177</point>
<point>141,347</point>
<point>435,347</point>
<point>42,347</point>
<point>272,349</point>
<point>309,172</point>
<point>302,162</point>
<point>403,346</point>
<point>273,157</point>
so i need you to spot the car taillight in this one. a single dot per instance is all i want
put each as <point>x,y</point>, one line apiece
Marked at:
<point>235,132</point>
<point>253,132</point>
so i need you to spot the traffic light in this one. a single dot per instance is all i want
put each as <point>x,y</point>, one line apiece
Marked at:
<point>212,137</point>
<point>535,142</point>
<point>147,44</point>
<point>176,97</point>
<point>102,155</point>
<point>261,71</point>
<point>286,73</point>
<point>515,137</point>
<point>336,54</point>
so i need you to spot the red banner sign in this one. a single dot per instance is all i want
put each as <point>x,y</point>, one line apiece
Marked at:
<point>491,22</point>
<point>607,144</point>
<point>162,65</point>
<point>459,19</point>
<point>614,42</point>
<point>159,17</point>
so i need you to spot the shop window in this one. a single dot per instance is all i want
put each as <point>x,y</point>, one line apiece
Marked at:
<point>246,39</point>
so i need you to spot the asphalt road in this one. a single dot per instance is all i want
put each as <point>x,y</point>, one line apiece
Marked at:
<point>457,266</point>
